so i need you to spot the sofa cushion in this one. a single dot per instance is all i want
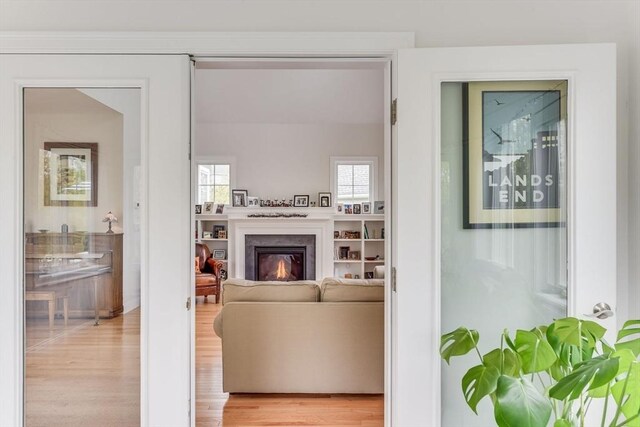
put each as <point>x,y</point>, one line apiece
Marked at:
<point>249,290</point>
<point>351,290</point>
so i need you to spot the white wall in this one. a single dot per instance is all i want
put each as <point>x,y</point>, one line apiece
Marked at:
<point>66,115</point>
<point>127,103</point>
<point>436,23</point>
<point>282,160</point>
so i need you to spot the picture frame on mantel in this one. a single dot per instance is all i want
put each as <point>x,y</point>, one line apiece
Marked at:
<point>70,171</point>
<point>240,198</point>
<point>301,201</point>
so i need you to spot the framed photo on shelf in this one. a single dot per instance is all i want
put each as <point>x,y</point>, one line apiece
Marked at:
<point>378,207</point>
<point>198,209</point>
<point>253,202</point>
<point>70,171</point>
<point>366,208</point>
<point>219,209</point>
<point>348,208</point>
<point>219,254</point>
<point>240,198</point>
<point>324,200</point>
<point>357,208</point>
<point>301,201</point>
<point>217,229</point>
<point>513,143</point>
<point>207,235</point>
<point>222,234</point>
<point>208,208</point>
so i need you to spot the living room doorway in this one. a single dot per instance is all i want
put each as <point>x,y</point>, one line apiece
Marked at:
<point>291,187</point>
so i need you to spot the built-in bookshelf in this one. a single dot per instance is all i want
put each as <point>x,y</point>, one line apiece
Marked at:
<point>358,244</point>
<point>208,232</point>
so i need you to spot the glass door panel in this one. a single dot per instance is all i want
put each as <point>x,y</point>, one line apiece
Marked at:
<point>504,213</point>
<point>82,156</point>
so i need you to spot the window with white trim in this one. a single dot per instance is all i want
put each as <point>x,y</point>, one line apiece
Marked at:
<point>353,179</point>
<point>214,183</point>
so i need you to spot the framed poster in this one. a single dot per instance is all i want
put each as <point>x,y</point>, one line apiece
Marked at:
<point>514,142</point>
<point>70,171</point>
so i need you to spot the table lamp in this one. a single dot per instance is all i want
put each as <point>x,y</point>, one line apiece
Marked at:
<point>109,217</point>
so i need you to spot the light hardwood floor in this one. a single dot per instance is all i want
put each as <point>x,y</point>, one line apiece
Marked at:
<point>90,376</point>
<point>215,408</point>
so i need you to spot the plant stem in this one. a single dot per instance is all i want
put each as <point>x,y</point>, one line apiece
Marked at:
<point>624,392</point>
<point>628,420</point>
<point>606,405</point>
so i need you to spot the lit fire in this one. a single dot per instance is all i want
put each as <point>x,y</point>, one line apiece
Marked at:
<point>281,271</point>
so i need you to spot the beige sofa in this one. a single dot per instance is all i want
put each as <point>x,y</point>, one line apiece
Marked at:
<point>302,337</point>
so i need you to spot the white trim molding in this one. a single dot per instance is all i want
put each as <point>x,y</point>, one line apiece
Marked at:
<point>208,43</point>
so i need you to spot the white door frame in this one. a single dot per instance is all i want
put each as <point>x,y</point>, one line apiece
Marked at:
<point>261,45</point>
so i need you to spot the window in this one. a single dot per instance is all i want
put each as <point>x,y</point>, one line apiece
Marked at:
<point>353,179</point>
<point>214,183</point>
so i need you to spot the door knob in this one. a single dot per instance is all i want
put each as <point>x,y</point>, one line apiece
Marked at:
<point>601,310</point>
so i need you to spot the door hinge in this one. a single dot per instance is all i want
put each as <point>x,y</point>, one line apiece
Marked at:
<point>188,303</point>
<point>394,281</point>
<point>394,111</point>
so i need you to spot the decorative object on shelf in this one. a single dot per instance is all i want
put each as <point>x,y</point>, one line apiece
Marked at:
<point>324,200</point>
<point>382,233</point>
<point>344,252</point>
<point>339,205</point>
<point>372,258</point>
<point>312,204</point>
<point>240,198</point>
<point>219,209</point>
<point>207,235</point>
<point>109,217</point>
<point>357,208</point>
<point>219,254</point>
<point>277,215</point>
<point>348,275</point>
<point>70,173</point>
<point>350,234</point>
<point>348,208</point>
<point>222,234</point>
<point>253,202</point>
<point>378,207</point>
<point>368,274</point>
<point>217,229</point>
<point>208,208</point>
<point>301,201</point>
<point>356,276</point>
<point>198,209</point>
<point>354,255</point>
<point>336,234</point>
<point>514,136</point>
<point>366,208</point>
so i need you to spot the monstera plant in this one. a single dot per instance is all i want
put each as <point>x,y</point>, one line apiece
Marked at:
<point>554,371</point>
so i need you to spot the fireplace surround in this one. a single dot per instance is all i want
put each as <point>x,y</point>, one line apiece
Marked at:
<point>281,257</point>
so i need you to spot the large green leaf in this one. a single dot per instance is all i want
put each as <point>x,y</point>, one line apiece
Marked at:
<point>561,422</point>
<point>478,382</point>
<point>629,337</point>
<point>519,404</point>
<point>581,333</point>
<point>625,359</point>
<point>505,361</point>
<point>458,342</point>
<point>628,396</point>
<point>593,373</point>
<point>535,352</point>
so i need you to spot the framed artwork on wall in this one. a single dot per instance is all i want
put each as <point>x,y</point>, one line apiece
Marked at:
<point>70,172</point>
<point>514,136</point>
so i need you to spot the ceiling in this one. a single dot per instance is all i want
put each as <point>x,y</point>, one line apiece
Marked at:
<point>296,96</point>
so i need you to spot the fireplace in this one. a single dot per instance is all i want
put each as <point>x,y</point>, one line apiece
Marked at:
<point>281,257</point>
<point>280,263</point>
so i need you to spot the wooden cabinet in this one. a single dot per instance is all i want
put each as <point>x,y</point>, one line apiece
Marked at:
<point>81,292</point>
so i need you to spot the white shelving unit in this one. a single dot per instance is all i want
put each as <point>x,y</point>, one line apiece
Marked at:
<point>369,243</point>
<point>207,223</point>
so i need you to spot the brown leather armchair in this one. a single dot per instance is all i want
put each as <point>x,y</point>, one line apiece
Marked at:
<point>207,273</point>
